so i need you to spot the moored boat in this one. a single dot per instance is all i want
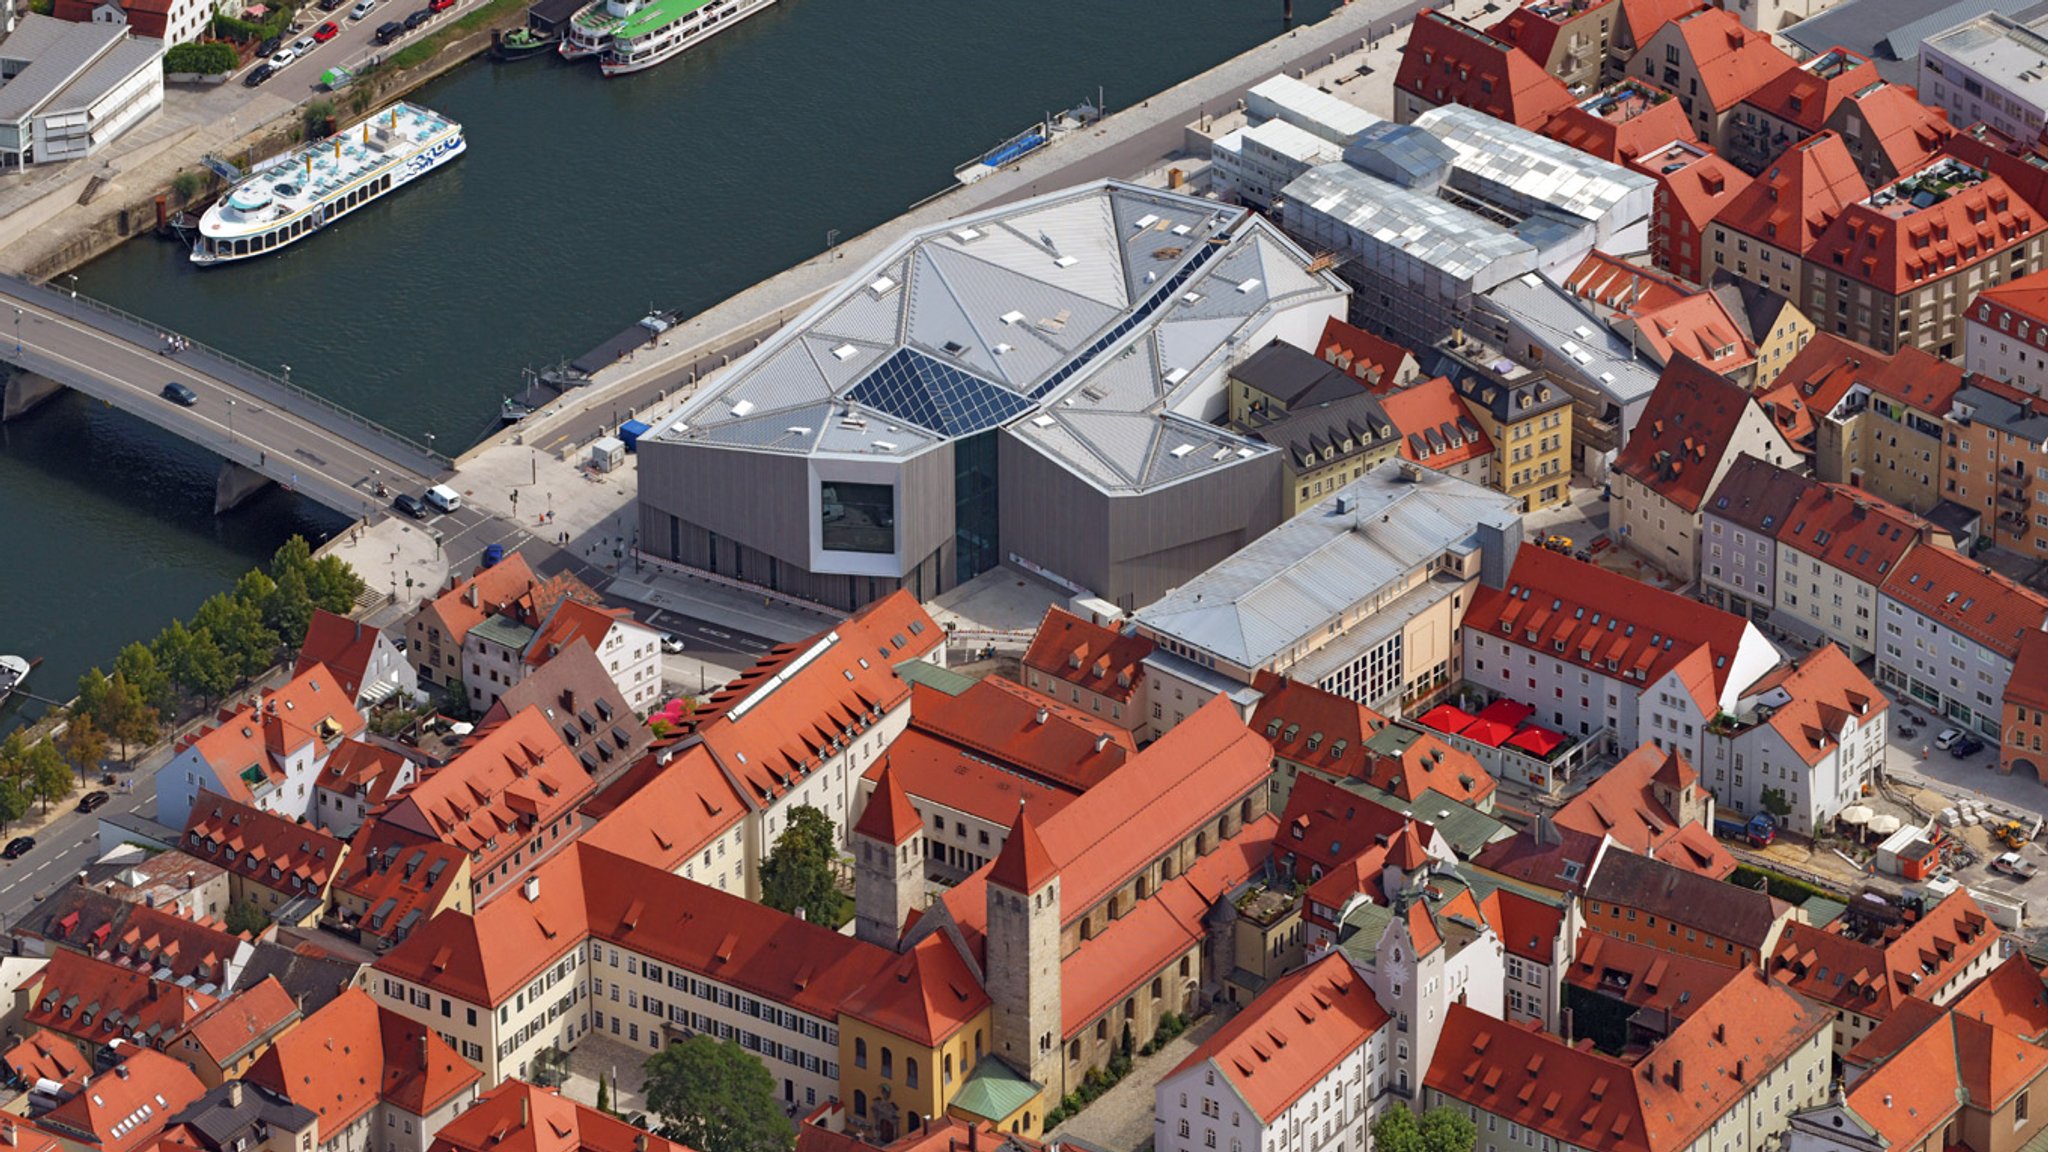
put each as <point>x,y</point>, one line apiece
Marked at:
<point>520,43</point>
<point>589,32</point>
<point>667,28</point>
<point>13,670</point>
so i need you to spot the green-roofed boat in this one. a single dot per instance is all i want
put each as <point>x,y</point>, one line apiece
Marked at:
<point>589,32</point>
<point>667,28</point>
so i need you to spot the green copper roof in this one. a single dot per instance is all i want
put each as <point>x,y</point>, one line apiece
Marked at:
<point>1466,828</point>
<point>1359,935</point>
<point>657,15</point>
<point>932,676</point>
<point>994,1092</point>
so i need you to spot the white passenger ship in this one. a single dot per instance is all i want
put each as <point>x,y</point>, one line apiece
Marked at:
<point>666,28</point>
<point>298,193</point>
<point>589,32</point>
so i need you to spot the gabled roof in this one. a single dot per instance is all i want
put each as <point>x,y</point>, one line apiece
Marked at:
<point>509,587</point>
<point>1732,61</point>
<point>1826,693</point>
<point>1326,826</point>
<point>44,1055</point>
<point>260,846</point>
<point>349,1055</point>
<point>2023,296</point>
<point>1283,1043</point>
<point>667,815</point>
<point>2010,997</point>
<point>1544,855</point>
<point>1625,120</point>
<point>1639,20</point>
<point>1373,360</point>
<point>925,994</point>
<point>1448,62</point>
<point>517,777</point>
<point>1643,975</point>
<point>1967,598</point>
<point>1804,190</point>
<point>1527,927</point>
<point>1019,730</point>
<point>583,703</point>
<point>1953,1060</point>
<point>1743,915</point>
<point>1623,804</point>
<point>1891,118</point>
<point>1694,183</point>
<point>1756,494</point>
<point>249,745</point>
<point>375,771</point>
<point>1087,655</point>
<point>1871,977</point>
<point>252,1016</point>
<point>1436,428</point>
<point>310,974</point>
<point>400,876</point>
<point>1684,432</point>
<point>1344,739</point>
<point>2028,686</point>
<point>343,644</point>
<point>1925,226</point>
<point>125,1108</point>
<point>934,771</point>
<point>1808,94</point>
<point>518,1117</point>
<point>1850,530</point>
<point>571,621</point>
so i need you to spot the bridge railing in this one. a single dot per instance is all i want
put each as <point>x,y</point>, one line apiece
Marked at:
<point>268,377</point>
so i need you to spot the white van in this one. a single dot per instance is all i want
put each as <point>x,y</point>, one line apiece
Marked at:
<point>445,498</point>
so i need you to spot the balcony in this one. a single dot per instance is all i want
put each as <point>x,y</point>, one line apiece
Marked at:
<point>2012,497</point>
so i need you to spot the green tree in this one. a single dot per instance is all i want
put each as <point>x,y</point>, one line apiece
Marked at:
<point>13,803</point>
<point>255,587</point>
<point>210,675</point>
<point>46,777</point>
<point>294,555</point>
<point>247,645</point>
<point>14,756</point>
<point>138,665</point>
<point>604,1094</point>
<point>334,585</point>
<point>798,872</point>
<point>1773,801</point>
<point>91,698</point>
<point>289,609</point>
<point>83,743</point>
<point>128,717</point>
<point>244,916</point>
<point>1396,1131</point>
<point>715,1097</point>
<point>1445,1129</point>
<point>174,652</point>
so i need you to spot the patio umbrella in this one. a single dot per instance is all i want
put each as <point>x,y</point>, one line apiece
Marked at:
<point>1884,825</point>
<point>1855,814</point>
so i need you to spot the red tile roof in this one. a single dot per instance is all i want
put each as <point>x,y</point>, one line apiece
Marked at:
<point>780,720</point>
<point>670,814</point>
<point>372,771</point>
<point>1686,428</point>
<point>1344,739</point>
<point>1641,19</point>
<point>343,644</point>
<point>1916,378</point>
<point>1967,598</point>
<point>1622,803</point>
<point>1878,974</point>
<point>1325,827</point>
<point>517,1117</point>
<point>926,994</point>
<point>1018,729</point>
<point>1447,62</point>
<point>2028,686</point>
<point>1694,185</point>
<point>1551,858</point>
<point>126,1108</point>
<point>251,743</point>
<point>571,621</point>
<point>1285,1042</point>
<point>96,1001</point>
<point>1435,426</point>
<point>44,1055</point>
<point>1642,975</point>
<point>1023,865</point>
<point>888,816</point>
<point>1852,530</point>
<point>932,771</point>
<point>1955,1059</point>
<point>1808,94</point>
<point>2010,998</point>
<point>252,1016</point>
<point>1622,121</point>
<point>1900,247</point>
<point>262,847</point>
<point>1602,617</point>
<point>352,1053</point>
<point>517,778</point>
<point>400,876</point>
<point>448,952</point>
<point>1909,134</point>
<point>1087,655</point>
<point>1527,927</point>
<point>1732,61</point>
<point>1825,693</point>
<point>508,587</point>
<point>2023,296</point>
<point>1369,358</point>
<point>1804,190</point>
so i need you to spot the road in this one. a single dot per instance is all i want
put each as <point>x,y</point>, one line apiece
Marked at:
<point>66,845</point>
<point>355,41</point>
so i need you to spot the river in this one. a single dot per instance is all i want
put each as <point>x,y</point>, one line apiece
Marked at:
<point>580,203</point>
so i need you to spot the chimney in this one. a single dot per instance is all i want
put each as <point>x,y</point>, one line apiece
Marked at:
<point>359,630</point>
<point>423,1051</point>
<point>525,1110</point>
<point>1042,715</point>
<point>1678,1074</point>
<point>639,1142</point>
<point>152,991</point>
<point>974,1137</point>
<point>475,601</point>
<point>530,889</point>
<point>191,881</point>
<point>7,1132</point>
<point>1102,742</point>
<point>234,1093</point>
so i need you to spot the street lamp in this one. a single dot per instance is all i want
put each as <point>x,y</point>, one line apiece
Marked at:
<point>231,420</point>
<point>17,331</point>
<point>430,443</point>
<point>287,372</point>
<point>74,284</point>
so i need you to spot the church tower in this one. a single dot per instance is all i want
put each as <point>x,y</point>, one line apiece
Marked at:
<point>1023,978</point>
<point>888,863</point>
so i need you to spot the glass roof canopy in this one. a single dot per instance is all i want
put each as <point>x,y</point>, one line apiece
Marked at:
<point>917,389</point>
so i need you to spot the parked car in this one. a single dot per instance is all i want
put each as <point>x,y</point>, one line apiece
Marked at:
<point>326,31</point>
<point>303,45</point>
<point>440,5</point>
<point>670,642</point>
<point>179,394</point>
<point>18,847</point>
<point>363,8</point>
<point>417,18</point>
<point>269,47</point>
<point>2015,865</point>
<point>281,57</point>
<point>411,505</point>
<point>389,30</point>
<point>94,800</point>
<point>1965,748</point>
<point>259,74</point>
<point>1948,736</point>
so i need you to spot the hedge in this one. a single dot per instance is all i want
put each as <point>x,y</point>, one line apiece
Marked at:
<point>206,59</point>
<point>1787,888</point>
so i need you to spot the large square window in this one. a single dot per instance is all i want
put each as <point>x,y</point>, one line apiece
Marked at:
<point>858,517</point>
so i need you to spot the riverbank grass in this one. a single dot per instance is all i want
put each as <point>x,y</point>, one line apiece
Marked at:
<point>420,51</point>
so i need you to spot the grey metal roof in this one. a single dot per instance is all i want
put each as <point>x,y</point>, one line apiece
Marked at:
<point>108,72</point>
<point>1087,322</point>
<point>1499,155</point>
<point>1562,323</point>
<point>1465,246</point>
<point>2028,421</point>
<point>56,53</point>
<point>1889,32</point>
<point>2000,47</point>
<point>1308,107</point>
<point>1401,154</point>
<point>1297,578</point>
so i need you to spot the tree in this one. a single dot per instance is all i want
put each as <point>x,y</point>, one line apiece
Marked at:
<point>604,1094</point>
<point>294,555</point>
<point>798,873</point>
<point>84,744</point>
<point>247,645</point>
<point>138,665</point>
<point>1396,1131</point>
<point>211,676</point>
<point>47,777</point>
<point>715,1097</point>
<point>14,755</point>
<point>13,803</point>
<point>334,585</point>
<point>244,916</point>
<point>1773,800</point>
<point>127,716</point>
<point>1445,1129</point>
<point>289,609</point>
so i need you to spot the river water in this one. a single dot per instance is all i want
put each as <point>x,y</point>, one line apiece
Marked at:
<point>581,202</point>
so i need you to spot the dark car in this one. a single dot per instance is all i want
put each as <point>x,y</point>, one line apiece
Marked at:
<point>329,5</point>
<point>1965,748</point>
<point>326,31</point>
<point>18,847</point>
<point>271,46</point>
<point>177,393</point>
<point>418,18</point>
<point>389,30</point>
<point>494,554</point>
<point>94,801</point>
<point>258,75</point>
<point>411,505</point>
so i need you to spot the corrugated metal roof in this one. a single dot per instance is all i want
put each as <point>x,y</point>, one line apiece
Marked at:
<point>107,73</point>
<point>57,54</point>
<point>1500,156</point>
<point>1465,246</point>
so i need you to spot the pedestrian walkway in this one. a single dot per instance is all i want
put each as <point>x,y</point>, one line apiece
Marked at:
<point>717,604</point>
<point>1121,1118</point>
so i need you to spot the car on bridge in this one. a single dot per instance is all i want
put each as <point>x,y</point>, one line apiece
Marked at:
<point>411,505</point>
<point>179,394</point>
